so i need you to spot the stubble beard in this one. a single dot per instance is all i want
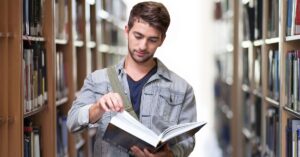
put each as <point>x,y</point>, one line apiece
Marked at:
<point>140,60</point>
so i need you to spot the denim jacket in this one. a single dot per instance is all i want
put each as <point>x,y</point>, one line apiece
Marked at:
<point>166,100</point>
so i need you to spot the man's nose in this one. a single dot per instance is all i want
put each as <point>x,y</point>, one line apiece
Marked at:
<point>143,45</point>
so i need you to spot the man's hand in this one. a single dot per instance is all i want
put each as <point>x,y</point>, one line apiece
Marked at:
<point>165,152</point>
<point>108,102</point>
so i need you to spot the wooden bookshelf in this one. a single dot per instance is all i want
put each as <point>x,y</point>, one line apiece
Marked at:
<point>69,56</point>
<point>273,46</point>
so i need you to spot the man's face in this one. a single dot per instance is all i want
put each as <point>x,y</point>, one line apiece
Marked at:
<point>143,40</point>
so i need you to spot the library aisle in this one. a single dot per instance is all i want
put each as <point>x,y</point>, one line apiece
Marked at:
<point>48,47</point>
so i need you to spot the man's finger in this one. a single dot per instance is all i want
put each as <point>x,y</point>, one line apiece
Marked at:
<point>119,101</point>
<point>137,151</point>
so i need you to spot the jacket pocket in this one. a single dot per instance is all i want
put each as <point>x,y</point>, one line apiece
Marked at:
<point>169,105</point>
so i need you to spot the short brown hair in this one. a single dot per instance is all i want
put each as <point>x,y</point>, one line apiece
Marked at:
<point>154,13</point>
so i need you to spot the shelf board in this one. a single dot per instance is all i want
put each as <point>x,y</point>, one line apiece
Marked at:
<point>258,42</point>
<point>61,41</point>
<point>78,43</point>
<point>292,38</point>
<point>246,44</point>
<point>104,48</point>
<point>272,40</point>
<point>91,2</point>
<point>91,44</point>
<point>226,110</point>
<point>32,38</point>
<point>246,88</point>
<point>292,112</point>
<point>80,144</point>
<point>257,93</point>
<point>118,50</point>
<point>104,15</point>
<point>61,101</point>
<point>5,35</point>
<point>273,102</point>
<point>35,111</point>
<point>226,82</point>
<point>229,81</point>
<point>247,133</point>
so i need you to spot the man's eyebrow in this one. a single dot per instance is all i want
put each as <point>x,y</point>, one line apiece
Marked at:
<point>140,34</point>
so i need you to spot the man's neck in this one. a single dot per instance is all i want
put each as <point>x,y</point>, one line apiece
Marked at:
<point>138,70</point>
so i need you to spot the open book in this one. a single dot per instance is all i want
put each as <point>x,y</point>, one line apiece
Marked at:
<point>124,132</point>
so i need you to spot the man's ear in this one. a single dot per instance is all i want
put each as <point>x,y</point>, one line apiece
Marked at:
<point>126,31</point>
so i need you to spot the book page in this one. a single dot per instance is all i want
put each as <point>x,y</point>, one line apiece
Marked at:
<point>126,122</point>
<point>186,129</point>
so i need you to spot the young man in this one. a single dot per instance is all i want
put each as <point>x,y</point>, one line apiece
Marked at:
<point>159,97</point>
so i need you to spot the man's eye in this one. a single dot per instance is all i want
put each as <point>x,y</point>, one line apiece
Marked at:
<point>153,40</point>
<point>138,37</point>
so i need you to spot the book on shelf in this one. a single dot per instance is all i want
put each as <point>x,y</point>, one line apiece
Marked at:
<point>297,17</point>
<point>33,17</point>
<point>62,135</point>
<point>273,18</point>
<point>31,139</point>
<point>292,136</point>
<point>292,80</point>
<point>249,21</point>
<point>258,26</point>
<point>34,76</point>
<point>124,132</point>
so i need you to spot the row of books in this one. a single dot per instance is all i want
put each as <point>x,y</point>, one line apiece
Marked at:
<point>293,137</point>
<point>78,13</point>
<point>292,79</point>
<point>223,107</point>
<point>253,13</point>
<point>61,19</point>
<point>33,17</point>
<point>116,8</point>
<point>273,19</point>
<point>251,111</point>
<point>258,69</point>
<point>273,71</point>
<point>111,33</point>
<point>273,75</point>
<point>246,66</point>
<point>34,75</point>
<point>252,19</point>
<point>293,17</point>
<point>111,59</point>
<point>252,114</point>
<point>225,70</point>
<point>61,84</point>
<point>31,139</point>
<point>272,132</point>
<point>62,135</point>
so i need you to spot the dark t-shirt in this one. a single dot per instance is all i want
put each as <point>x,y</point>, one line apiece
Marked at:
<point>136,88</point>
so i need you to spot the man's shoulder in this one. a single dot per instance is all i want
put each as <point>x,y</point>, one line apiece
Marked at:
<point>171,75</point>
<point>176,78</point>
<point>99,75</point>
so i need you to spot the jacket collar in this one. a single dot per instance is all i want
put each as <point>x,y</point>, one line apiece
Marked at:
<point>162,70</point>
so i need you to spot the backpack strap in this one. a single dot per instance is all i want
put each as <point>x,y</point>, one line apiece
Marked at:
<point>116,87</point>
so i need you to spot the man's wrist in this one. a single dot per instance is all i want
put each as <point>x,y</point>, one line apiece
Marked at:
<point>95,112</point>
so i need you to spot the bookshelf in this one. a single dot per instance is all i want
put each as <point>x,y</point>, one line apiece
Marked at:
<point>47,49</point>
<point>265,53</point>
